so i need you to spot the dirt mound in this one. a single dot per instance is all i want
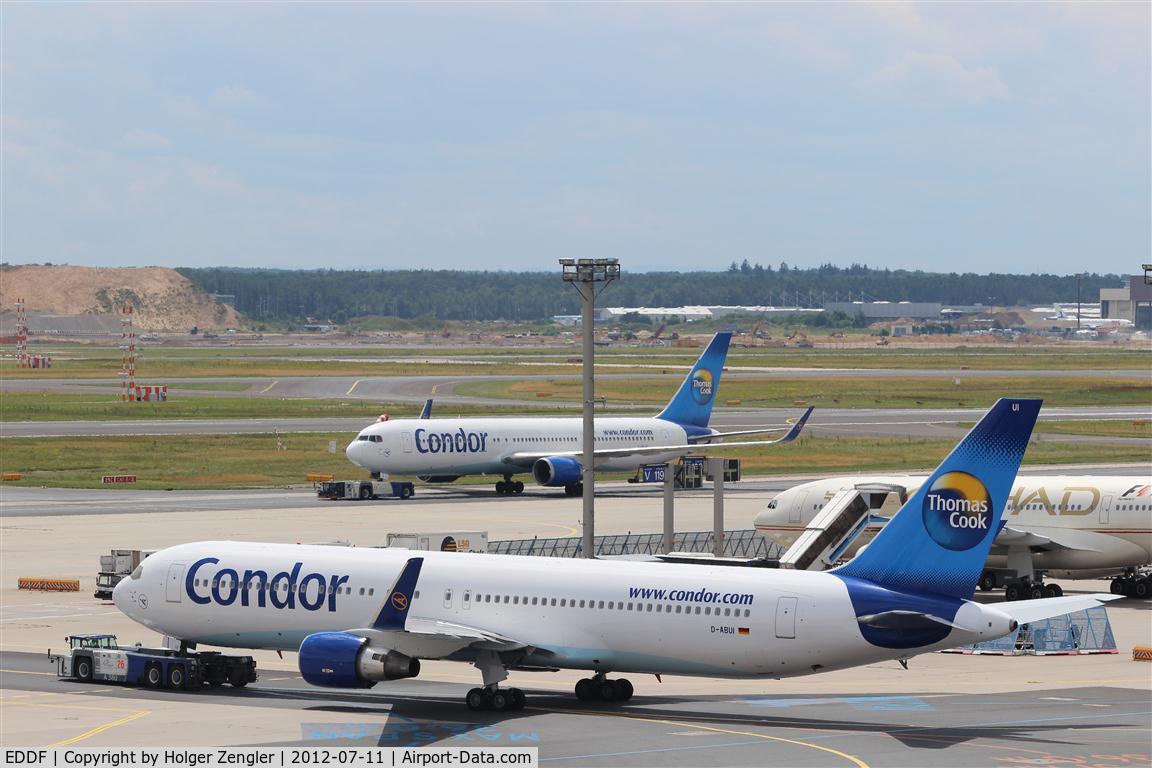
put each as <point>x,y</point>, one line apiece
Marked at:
<point>161,299</point>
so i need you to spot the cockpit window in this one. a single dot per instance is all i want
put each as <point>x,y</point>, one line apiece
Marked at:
<point>370,438</point>
<point>772,504</point>
<point>138,572</point>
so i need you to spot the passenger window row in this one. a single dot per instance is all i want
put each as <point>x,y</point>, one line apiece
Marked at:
<point>601,605</point>
<point>282,586</point>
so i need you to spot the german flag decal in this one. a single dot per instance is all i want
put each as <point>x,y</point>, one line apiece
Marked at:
<point>742,630</point>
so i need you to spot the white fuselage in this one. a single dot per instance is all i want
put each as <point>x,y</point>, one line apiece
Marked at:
<point>602,615</point>
<point>1111,517</point>
<point>474,446</point>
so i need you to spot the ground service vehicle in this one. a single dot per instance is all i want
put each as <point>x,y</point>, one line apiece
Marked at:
<point>115,566</point>
<point>98,658</point>
<point>365,489</point>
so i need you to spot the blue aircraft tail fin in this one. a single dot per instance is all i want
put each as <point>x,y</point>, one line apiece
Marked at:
<point>939,540</point>
<point>394,612</point>
<point>692,403</point>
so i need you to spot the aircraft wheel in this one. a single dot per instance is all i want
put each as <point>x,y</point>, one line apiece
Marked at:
<point>176,677</point>
<point>501,701</point>
<point>84,669</point>
<point>1036,592</point>
<point>1117,587</point>
<point>476,700</point>
<point>518,487</point>
<point>518,698</point>
<point>153,676</point>
<point>1129,587</point>
<point>1140,589</point>
<point>609,691</point>
<point>987,582</point>
<point>1012,593</point>
<point>585,689</point>
<point>626,689</point>
<point>501,488</point>
<point>578,489</point>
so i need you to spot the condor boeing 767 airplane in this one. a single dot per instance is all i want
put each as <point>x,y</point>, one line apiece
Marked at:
<point>442,450</point>
<point>361,616</point>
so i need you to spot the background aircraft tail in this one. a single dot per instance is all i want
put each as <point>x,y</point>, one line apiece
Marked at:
<point>692,403</point>
<point>939,540</point>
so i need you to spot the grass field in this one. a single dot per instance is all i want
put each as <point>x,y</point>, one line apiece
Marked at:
<point>156,362</point>
<point>895,392</point>
<point>1099,428</point>
<point>254,461</point>
<point>50,406</point>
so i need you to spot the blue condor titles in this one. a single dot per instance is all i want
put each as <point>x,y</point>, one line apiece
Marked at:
<point>460,441</point>
<point>226,585</point>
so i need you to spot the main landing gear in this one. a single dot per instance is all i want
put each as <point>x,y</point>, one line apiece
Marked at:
<point>599,688</point>
<point>575,489</point>
<point>508,486</point>
<point>494,698</point>
<point>1133,584</point>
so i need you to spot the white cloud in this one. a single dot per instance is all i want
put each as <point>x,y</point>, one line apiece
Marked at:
<point>146,140</point>
<point>236,95</point>
<point>933,79</point>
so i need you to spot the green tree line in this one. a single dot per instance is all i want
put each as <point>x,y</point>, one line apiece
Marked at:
<point>341,295</point>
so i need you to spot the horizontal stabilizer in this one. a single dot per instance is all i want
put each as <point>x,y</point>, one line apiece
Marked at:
<point>1027,611</point>
<point>904,620</point>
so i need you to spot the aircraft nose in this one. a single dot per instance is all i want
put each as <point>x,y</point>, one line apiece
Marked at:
<point>120,597</point>
<point>355,452</point>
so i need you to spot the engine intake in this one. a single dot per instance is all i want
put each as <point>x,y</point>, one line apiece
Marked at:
<point>556,471</point>
<point>344,660</point>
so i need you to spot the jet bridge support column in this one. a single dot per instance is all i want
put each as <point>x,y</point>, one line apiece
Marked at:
<point>669,494</point>
<point>717,507</point>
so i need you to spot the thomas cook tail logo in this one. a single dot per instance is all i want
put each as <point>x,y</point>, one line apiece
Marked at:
<point>702,386</point>
<point>957,511</point>
<point>399,601</point>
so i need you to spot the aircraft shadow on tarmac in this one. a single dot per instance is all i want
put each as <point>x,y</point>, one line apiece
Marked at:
<point>413,719</point>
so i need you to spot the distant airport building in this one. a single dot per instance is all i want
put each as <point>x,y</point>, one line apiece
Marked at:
<point>887,310</point>
<point>688,314</point>
<point>1131,302</point>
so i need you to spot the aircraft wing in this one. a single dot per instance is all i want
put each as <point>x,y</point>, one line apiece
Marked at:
<point>426,638</point>
<point>1052,538</point>
<point>794,428</point>
<point>527,458</point>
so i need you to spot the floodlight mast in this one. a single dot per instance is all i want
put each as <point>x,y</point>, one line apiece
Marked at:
<point>583,275</point>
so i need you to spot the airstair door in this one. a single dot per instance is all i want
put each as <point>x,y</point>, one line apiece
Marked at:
<point>798,509</point>
<point>173,589</point>
<point>786,617</point>
<point>406,441</point>
<point>1105,510</point>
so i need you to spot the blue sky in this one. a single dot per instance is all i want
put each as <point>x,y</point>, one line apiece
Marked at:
<point>1006,137</point>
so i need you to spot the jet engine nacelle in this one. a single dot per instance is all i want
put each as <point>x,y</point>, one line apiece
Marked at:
<point>344,660</point>
<point>556,471</point>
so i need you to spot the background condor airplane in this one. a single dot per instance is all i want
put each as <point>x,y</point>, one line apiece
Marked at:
<point>442,450</point>
<point>1074,526</point>
<point>359,616</point>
